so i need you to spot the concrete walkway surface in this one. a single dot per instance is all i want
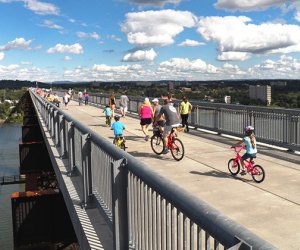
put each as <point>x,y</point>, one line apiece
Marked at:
<point>270,209</point>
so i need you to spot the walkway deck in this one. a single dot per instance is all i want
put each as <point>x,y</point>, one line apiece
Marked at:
<point>270,209</point>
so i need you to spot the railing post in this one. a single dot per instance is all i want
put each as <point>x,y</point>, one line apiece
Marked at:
<point>52,122</point>
<point>48,117</point>
<point>216,120</point>
<point>86,170</point>
<point>56,128</point>
<point>62,137</point>
<point>119,182</point>
<point>71,149</point>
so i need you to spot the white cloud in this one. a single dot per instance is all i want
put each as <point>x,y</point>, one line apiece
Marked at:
<point>41,8</point>
<point>297,15</point>
<point>233,56</point>
<point>75,48</point>
<point>249,5</point>
<point>186,65</point>
<point>237,34</point>
<point>114,37</point>
<point>117,73</point>
<point>190,43</point>
<point>1,56</point>
<point>92,35</point>
<point>115,69</point>
<point>286,67</point>
<point>67,58</point>
<point>231,71</point>
<point>18,43</point>
<point>51,25</point>
<point>159,3</point>
<point>7,72</point>
<point>140,55</point>
<point>26,63</point>
<point>156,28</point>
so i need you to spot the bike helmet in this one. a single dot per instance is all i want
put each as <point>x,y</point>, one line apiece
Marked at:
<point>248,130</point>
<point>117,118</point>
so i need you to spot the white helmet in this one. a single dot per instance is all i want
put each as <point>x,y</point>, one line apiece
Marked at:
<point>248,130</point>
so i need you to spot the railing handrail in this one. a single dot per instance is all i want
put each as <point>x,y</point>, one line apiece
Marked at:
<point>287,121</point>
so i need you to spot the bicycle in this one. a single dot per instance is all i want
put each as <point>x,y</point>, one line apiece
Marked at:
<point>257,172</point>
<point>119,141</point>
<point>175,145</point>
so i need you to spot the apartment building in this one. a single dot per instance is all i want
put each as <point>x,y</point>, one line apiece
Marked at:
<point>262,93</point>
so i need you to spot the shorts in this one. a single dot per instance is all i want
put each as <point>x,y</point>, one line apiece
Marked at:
<point>247,156</point>
<point>146,121</point>
<point>161,123</point>
<point>123,108</point>
<point>168,129</point>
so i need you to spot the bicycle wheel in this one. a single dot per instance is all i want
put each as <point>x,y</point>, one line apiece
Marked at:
<point>177,149</point>
<point>122,146</point>
<point>258,174</point>
<point>157,144</point>
<point>233,166</point>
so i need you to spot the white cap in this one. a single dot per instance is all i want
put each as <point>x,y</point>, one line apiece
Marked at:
<point>146,99</point>
<point>155,100</point>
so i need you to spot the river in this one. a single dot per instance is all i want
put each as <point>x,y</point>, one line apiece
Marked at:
<point>10,135</point>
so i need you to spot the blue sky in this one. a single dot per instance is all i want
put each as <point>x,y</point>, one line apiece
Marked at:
<point>116,40</point>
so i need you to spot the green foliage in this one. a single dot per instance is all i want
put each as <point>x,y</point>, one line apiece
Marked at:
<point>11,112</point>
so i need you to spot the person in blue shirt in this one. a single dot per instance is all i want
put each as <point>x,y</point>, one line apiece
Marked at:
<point>118,128</point>
<point>107,112</point>
<point>250,143</point>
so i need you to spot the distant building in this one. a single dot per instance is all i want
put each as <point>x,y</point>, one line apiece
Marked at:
<point>144,84</point>
<point>278,83</point>
<point>184,89</point>
<point>227,99</point>
<point>262,93</point>
<point>170,86</point>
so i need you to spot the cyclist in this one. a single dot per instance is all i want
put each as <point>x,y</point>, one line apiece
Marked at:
<point>172,120</point>
<point>251,149</point>
<point>118,128</point>
<point>107,112</point>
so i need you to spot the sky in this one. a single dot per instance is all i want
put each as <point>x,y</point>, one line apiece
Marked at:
<point>149,40</point>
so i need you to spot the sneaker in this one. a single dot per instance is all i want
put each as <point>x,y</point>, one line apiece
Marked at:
<point>243,172</point>
<point>166,150</point>
<point>147,138</point>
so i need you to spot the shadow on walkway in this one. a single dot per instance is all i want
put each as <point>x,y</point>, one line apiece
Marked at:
<point>149,155</point>
<point>218,174</point>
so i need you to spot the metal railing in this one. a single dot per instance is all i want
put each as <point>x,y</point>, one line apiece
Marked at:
<point>278,127</point>
<point>144,209</point>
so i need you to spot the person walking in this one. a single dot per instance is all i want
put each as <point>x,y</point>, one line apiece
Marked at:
<point>112,104</point>
<point>156,109</point>
<point>80,95</point>
<point>124,100</point>
<point>184,110</point>
<point>146,115</point>
<point>66,98</point>
<point>86,98</point>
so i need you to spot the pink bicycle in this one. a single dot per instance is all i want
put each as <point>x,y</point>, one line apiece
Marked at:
<point>256,171</point>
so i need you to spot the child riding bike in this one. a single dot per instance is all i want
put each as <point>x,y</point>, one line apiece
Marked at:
<point>107,112</point>
<point>118,128</point>
<point>250,142</point>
